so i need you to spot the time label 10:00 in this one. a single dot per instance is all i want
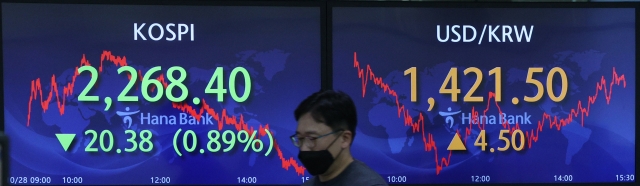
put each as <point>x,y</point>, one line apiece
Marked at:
<point>149,84</point>
<point>42,180</point>
<point>452,81</point>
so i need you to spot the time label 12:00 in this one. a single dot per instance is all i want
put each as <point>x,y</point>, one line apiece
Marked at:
<point>150,84</point>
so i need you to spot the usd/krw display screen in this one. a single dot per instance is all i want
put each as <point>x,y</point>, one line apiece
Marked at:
<point>123,94</point>
<point>483,95</point>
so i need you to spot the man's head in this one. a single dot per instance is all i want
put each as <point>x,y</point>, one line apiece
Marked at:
<point>326,127</point>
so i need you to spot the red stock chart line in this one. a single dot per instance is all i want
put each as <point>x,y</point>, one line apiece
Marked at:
<point>222,118</point>
<point>580,111</point>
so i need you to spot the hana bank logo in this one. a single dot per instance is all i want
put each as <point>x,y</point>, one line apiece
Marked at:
<point>449,116</point>
<point>491,119</point>
<point>127,120</point>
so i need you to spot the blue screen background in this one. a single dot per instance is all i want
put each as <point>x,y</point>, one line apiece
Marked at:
<point>587,43</point>
<point>279,47</point>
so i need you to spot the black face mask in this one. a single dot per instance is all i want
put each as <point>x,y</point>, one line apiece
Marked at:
<point>317,162</point>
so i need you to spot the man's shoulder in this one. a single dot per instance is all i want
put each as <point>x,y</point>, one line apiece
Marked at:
<point>362,174</point>
<point>309,182</point>
<point>357,173</point>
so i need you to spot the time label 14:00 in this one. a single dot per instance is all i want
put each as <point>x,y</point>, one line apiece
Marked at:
<point>150,84</point>
<point>452,81</point>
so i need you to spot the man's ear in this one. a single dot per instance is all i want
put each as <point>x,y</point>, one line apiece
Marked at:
<point>347,136</point>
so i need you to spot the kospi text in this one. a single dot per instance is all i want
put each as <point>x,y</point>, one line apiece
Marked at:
<point>156,31</point>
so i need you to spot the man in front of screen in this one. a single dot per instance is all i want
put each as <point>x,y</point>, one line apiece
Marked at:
<point>326,129</point>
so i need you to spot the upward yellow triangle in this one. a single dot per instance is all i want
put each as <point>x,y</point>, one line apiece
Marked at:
<point>456,143</point>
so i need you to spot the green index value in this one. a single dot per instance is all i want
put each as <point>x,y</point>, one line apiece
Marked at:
<point>221,141</point>
<point>161,87</point>
<point>220,90</point>
<point>106,141</point>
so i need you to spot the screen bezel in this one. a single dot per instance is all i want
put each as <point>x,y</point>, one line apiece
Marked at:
<point>4,165</point>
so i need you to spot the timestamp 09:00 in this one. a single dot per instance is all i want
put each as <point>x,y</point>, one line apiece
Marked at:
<point>29,180</point>
<point>42,180</point>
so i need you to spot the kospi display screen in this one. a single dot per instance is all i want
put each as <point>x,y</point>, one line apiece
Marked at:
<point>490,95</point>
<point>149,94</point>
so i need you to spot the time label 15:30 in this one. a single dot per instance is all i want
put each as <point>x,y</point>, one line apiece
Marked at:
<point>625,177</point>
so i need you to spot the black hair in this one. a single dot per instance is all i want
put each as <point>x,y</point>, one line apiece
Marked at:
<point>333,108</point>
